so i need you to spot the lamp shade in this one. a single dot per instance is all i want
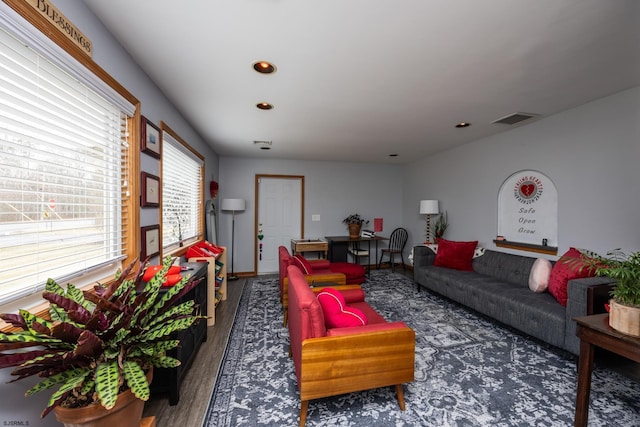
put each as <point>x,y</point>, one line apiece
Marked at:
<point>428,207</point>
<point>235,205</point>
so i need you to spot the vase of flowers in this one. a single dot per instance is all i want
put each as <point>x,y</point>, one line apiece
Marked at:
<point>354,223</point>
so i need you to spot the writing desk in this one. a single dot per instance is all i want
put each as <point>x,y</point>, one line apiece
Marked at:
<point>339,247</point>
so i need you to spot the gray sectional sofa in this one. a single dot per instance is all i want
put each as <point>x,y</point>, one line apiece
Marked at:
<point>499,288</point>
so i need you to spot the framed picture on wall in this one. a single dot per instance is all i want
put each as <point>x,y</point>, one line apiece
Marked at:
<point>151,138</point>
<point>150,190</point>
<point>150,241</point>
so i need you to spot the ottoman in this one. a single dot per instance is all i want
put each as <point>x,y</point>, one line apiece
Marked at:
<point>354,273</point>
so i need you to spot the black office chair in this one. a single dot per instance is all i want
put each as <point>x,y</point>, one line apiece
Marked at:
<point>397,241</point>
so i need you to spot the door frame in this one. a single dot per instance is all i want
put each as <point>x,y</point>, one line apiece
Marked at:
<point>257,210</point>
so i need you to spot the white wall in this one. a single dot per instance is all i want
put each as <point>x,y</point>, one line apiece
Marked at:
<point>332,189</point>
<point>591,153</point>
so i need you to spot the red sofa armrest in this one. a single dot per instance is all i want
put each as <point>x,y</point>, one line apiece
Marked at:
<point>319,264</point>
<point>351,293</point>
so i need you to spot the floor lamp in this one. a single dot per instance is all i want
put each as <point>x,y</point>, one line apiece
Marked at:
<point>428,208</point>
<point>233,205</point>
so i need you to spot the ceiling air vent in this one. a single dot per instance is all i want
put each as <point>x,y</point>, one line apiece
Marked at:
<point>515,118</point>
<point>264,145</point>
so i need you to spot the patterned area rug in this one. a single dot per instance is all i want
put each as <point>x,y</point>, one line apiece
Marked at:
<point>469,371</point>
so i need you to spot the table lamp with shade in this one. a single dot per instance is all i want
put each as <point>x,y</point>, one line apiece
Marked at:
<point>233,205</point>
<point>428,208</point>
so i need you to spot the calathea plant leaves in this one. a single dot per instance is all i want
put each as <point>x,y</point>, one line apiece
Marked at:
<point>96,341</point>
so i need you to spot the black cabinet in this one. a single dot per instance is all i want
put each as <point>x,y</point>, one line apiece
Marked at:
<point>169,379</point>
<point>338,247</point>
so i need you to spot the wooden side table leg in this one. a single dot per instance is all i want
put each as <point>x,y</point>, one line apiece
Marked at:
<point>585,368</point>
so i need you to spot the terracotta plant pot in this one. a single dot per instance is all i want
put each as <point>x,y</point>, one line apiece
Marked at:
<point>354,230</point>
<point>624,319</point>
<point>126,413</point>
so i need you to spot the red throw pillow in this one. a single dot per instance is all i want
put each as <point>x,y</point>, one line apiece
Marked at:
<point>456,255</point>
<point>152,270</point>
<point>171,279</point>
<point>337,314</point>
<point>302,264</point>
<point>562,272</point>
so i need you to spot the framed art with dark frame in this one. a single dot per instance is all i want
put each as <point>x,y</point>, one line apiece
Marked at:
<point>150,190</point>
<point>151,141</point>
<point>150,241</point>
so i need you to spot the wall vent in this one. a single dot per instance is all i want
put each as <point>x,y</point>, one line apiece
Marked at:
<point>515,118</point>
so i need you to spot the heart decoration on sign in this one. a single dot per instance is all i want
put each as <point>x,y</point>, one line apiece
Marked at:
<point>527,189</point>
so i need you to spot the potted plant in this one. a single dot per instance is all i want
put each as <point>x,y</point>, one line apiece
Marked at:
<point>354,223</point>
<point>624,306</point>
<point>441,225</point>
<point>98,347</point>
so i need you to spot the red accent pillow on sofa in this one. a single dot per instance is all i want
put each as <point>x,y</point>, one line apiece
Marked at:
<point>456,255</point>
<point>562,272</point>
<point>337,314</point>
<point>302,264</point>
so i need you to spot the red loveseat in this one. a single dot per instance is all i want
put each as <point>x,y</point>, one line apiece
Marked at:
<point>335,361</point>
<point>317,272</point>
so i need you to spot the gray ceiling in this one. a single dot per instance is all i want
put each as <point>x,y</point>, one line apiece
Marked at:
<point>358,80</point>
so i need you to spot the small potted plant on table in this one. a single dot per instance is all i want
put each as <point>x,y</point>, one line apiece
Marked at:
<point>354,223</point>
<point>99,347</point>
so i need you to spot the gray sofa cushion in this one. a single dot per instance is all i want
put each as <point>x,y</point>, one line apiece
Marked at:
<point>505,267</point>
<point>538,315</point>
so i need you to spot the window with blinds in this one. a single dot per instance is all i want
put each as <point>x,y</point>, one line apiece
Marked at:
<point>63,163</point>
<point>182,194</point>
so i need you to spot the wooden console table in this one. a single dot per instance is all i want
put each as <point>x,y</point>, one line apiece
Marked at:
<point>595,331</point>
<point>307,245</point>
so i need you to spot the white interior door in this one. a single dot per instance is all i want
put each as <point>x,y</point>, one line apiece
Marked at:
<point>279,218</point>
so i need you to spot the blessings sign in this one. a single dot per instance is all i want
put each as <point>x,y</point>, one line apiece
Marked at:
<point>528,209</point>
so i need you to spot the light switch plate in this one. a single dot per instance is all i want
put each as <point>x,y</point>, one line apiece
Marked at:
<point>315,217</point>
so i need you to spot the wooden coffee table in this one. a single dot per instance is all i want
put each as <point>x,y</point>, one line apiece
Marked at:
<point>595,331</point>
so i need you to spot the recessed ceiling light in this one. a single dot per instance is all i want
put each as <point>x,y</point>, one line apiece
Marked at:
<point>264,106</point>
<point>463,125</point>
<point>264,67</point>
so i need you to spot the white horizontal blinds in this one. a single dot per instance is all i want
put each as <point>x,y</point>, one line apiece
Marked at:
<point>181,193</point>
<point>61,167</point>
<point>15,24</point>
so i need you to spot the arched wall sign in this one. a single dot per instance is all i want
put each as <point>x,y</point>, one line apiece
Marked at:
<point>528,210</point>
